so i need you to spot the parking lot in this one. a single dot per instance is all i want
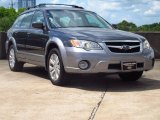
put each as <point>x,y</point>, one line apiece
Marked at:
<point>29,95</point>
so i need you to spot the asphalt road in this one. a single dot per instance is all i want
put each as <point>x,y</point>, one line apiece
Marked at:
<point>29,95</point>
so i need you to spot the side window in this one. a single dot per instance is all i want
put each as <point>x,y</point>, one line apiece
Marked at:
<point>18,21</point>
<point>38,17</point>
<point>94,21</point>
<point>65,21</point>
<point>26,20</point>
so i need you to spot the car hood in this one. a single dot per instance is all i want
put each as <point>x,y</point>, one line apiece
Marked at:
<point>98,34</point>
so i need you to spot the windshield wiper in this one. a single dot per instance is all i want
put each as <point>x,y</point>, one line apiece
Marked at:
<point>89,26</point>
<point>80,26</point>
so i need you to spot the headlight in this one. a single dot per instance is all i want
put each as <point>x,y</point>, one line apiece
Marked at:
<point>146,45</point>
<point>87,45</point>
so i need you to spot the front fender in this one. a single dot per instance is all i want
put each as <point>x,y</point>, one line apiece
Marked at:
<point>59,43</point>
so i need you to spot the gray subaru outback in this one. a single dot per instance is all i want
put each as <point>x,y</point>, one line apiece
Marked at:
<point>69,39</point>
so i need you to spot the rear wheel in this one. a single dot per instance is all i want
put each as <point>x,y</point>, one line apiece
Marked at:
<point>131,76</point>
<point>14,64</point>
<point>55,67</point>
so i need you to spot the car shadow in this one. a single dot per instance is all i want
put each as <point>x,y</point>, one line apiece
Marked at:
<point>110,83</point>
<point>36,71</point>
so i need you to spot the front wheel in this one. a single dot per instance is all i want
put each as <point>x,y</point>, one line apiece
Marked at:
<point>55,67</point>
<point>131,76</point>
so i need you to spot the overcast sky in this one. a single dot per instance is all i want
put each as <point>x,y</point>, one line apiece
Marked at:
<point>114,11</point>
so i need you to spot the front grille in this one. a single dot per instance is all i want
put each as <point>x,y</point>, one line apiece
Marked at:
<point>116,50</point>
<point>128,46</point>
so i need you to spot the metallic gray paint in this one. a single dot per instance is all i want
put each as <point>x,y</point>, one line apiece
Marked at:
<point>71,56</point>
<point>98,34</point>
<point>100,59</point>
<point>59,43</point>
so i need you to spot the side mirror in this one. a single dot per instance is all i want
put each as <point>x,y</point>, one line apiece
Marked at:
<point>115,26</point>
<point>38,25</point>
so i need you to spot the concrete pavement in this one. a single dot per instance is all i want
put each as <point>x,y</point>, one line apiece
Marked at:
<point>29,95</point>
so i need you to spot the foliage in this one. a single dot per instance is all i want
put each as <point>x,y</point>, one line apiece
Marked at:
<point>129,26</point>
<point>151,27</point>
<point>7,17</point>
<point>5,23</point>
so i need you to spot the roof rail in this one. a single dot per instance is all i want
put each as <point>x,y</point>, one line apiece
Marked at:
<point>44,5</point>
<point>30,7</point>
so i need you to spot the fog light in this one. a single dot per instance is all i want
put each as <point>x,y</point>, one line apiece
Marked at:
<point>84,65</point>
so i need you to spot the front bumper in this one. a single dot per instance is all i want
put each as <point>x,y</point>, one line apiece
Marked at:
<point>103,61</point>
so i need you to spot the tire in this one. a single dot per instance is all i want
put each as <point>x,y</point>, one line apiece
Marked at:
<point>14,64</point>
<point>131,76</point>
<point>55,68</point>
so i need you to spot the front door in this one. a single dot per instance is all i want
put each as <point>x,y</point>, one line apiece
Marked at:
<point>37,40</point>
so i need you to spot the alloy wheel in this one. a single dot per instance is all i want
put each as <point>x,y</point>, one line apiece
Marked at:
<point>12,58</point>
<point>54,67</point>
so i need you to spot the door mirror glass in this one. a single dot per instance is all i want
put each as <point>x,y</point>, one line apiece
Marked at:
<point>38,25</point>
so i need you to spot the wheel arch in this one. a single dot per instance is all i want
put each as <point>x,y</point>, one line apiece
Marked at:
<point>10,42</point>
<point>55,43</point>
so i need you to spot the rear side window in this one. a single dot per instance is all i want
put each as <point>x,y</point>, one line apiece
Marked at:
<point>26,22</point>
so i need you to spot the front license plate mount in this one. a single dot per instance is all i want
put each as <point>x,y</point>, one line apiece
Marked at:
<point>129,65</point>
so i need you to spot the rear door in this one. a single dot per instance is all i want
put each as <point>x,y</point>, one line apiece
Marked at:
<point>20,33</point>
<point>17,34</point>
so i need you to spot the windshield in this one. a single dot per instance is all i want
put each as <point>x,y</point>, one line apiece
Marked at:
<point>75,18</point>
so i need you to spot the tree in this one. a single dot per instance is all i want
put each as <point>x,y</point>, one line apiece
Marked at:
<point>151,27</point>
<point>5,23</point>
<point>127,26</point>
<point>2,12</point>
<point>7,17</point>
<point>20,11</point>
